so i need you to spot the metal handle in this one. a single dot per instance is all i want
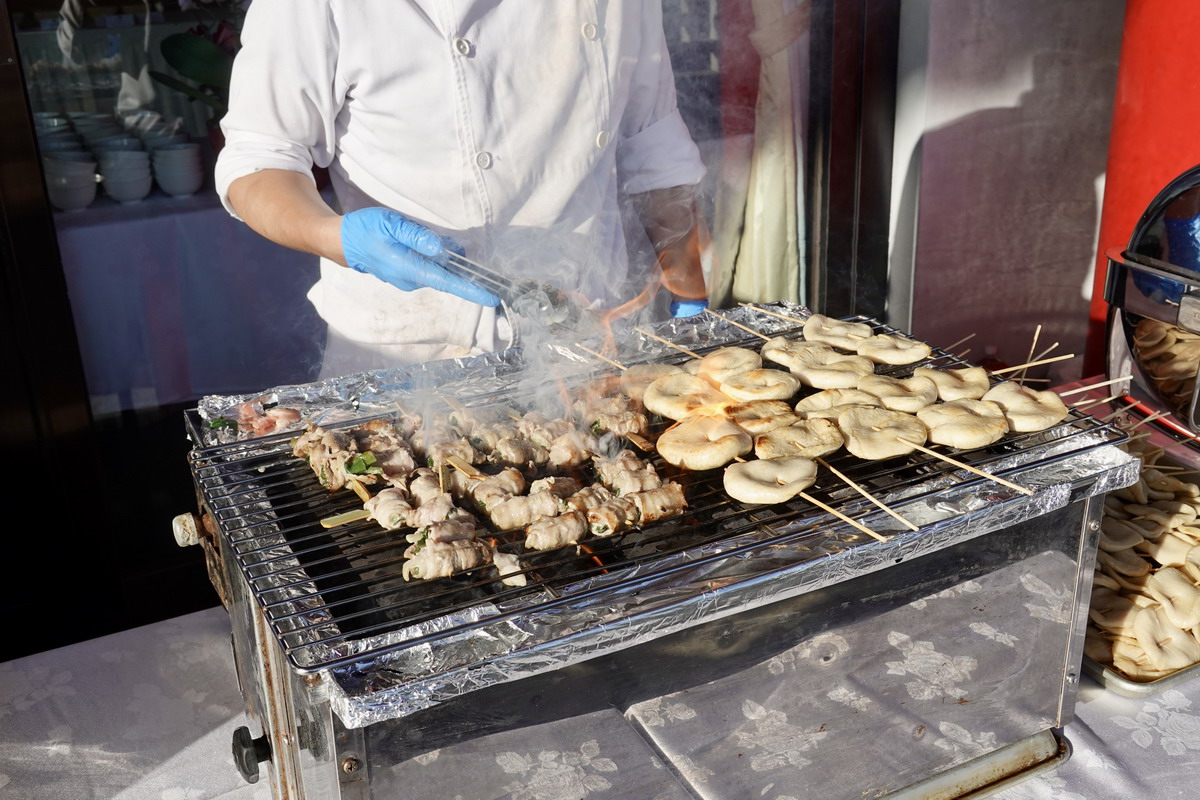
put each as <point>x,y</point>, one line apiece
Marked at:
<point>249,752</point>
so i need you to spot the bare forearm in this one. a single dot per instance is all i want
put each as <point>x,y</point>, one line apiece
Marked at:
<point>285,207</point>
<point>677,232</point>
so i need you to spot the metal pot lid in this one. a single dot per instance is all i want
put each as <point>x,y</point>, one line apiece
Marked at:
<point>1153,290</point>
<point>1167,238</point>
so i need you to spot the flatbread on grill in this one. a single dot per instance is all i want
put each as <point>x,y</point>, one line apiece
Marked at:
<point>677,395</point>
<point>825,368</point>
<point>810,438</point>
<point>836,333</point>
<point>909,395</point>
<point>725,362</point>
<point>703,442</point>
<point>1026,409</point>
<point>888,348</point>
<point>760,384</point>
<point>833,398</point>
<point>876,433</point>
<point>964,424</point>
<point>765,481</point>
<point>635,379</point>
<point>968,383</point>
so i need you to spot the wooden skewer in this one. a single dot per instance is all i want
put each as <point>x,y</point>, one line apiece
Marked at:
<point>342,519</point>
<point>762,336</point>
<point>465,467</point>
<point>963,354</point>
<point>829,510</point>
<point>1181,442</point>
<point>1086,403</point>
<point>1032,347</point>
<point>680,348</point>
<point>454,404</point>
<point>1151,418</point>
<point>1040,355</point>
<point>1119,411</point>
<point>1093,386</point>
<point>643,444</point>
<point>602,358</point>
<point>858,488</point>
<point>967,467</point>
<point>1047,351</point>
<point>966,338</point>
<point>1033,364</point>
<point>359,489</point>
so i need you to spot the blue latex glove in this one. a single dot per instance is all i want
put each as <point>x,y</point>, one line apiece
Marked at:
<point>383,243</point>
<point>688,308</point>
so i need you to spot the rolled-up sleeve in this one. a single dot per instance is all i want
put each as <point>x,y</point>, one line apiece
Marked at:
<point>655,149</point>
<point>285,93</point>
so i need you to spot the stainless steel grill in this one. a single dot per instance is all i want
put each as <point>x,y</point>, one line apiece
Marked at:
<point>333,597</point>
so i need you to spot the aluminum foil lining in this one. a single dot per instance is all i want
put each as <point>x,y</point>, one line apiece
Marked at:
<point>471,380</point>
<point>701,586</point>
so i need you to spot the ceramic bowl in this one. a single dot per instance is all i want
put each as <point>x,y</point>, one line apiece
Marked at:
<point>128,191</point>
<point>72,197</point>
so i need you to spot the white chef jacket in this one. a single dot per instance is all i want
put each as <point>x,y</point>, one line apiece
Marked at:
<point>512,126</point>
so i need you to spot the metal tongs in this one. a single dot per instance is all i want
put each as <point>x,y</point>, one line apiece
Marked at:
<point>539,302</point>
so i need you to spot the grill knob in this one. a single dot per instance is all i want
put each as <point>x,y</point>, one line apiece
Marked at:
<point>249,752</point>
<point>186,530</point>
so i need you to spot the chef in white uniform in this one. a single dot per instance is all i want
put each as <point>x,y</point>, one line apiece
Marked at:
<point>512,131</point>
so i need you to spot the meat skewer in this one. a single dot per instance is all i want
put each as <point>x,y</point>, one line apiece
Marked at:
<point>636,508</point>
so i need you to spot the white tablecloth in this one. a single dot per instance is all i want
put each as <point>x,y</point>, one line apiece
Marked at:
<point>173,300</point>
<point>148,714</point>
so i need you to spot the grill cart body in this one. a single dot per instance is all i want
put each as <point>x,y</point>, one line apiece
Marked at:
<point>735,651</point>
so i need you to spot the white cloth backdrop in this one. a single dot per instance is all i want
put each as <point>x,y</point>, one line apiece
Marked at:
<point>173,299</point>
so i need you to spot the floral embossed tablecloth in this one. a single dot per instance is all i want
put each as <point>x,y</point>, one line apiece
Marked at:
<point>148,714</point>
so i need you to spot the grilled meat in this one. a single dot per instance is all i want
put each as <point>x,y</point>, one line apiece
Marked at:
<point>443,559</point>
<point>550,534</point>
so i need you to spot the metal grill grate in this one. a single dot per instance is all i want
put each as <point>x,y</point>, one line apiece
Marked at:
<point>323,589</point>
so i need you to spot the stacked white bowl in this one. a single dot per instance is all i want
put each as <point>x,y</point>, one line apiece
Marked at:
<point>124,169</point>
<point>69,168</point>
<point>98,127</point>
<point>178,168</point>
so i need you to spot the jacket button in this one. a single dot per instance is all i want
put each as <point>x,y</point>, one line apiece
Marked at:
<point>483,160</point>
<point>602,139</point>
<point>462,47</point>
<point>590,31</point>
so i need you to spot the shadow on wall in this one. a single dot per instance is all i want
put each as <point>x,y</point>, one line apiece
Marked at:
<point>1006,212</point>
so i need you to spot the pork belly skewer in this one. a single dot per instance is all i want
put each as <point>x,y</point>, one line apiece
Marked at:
<point>613,413</point>
<point>626,473</point>
<point>327,452</point>
<point>443,559</point>
<point>392,453</point>
<point>498,438</point>
<point>552,533</point>
<point>636,508</point>
<point>501,498</point>
<point>338,461</point>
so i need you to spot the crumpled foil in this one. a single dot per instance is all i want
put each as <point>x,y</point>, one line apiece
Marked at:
<point>490,644</point>
<point>699,586</point>
<point>470,380</point>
